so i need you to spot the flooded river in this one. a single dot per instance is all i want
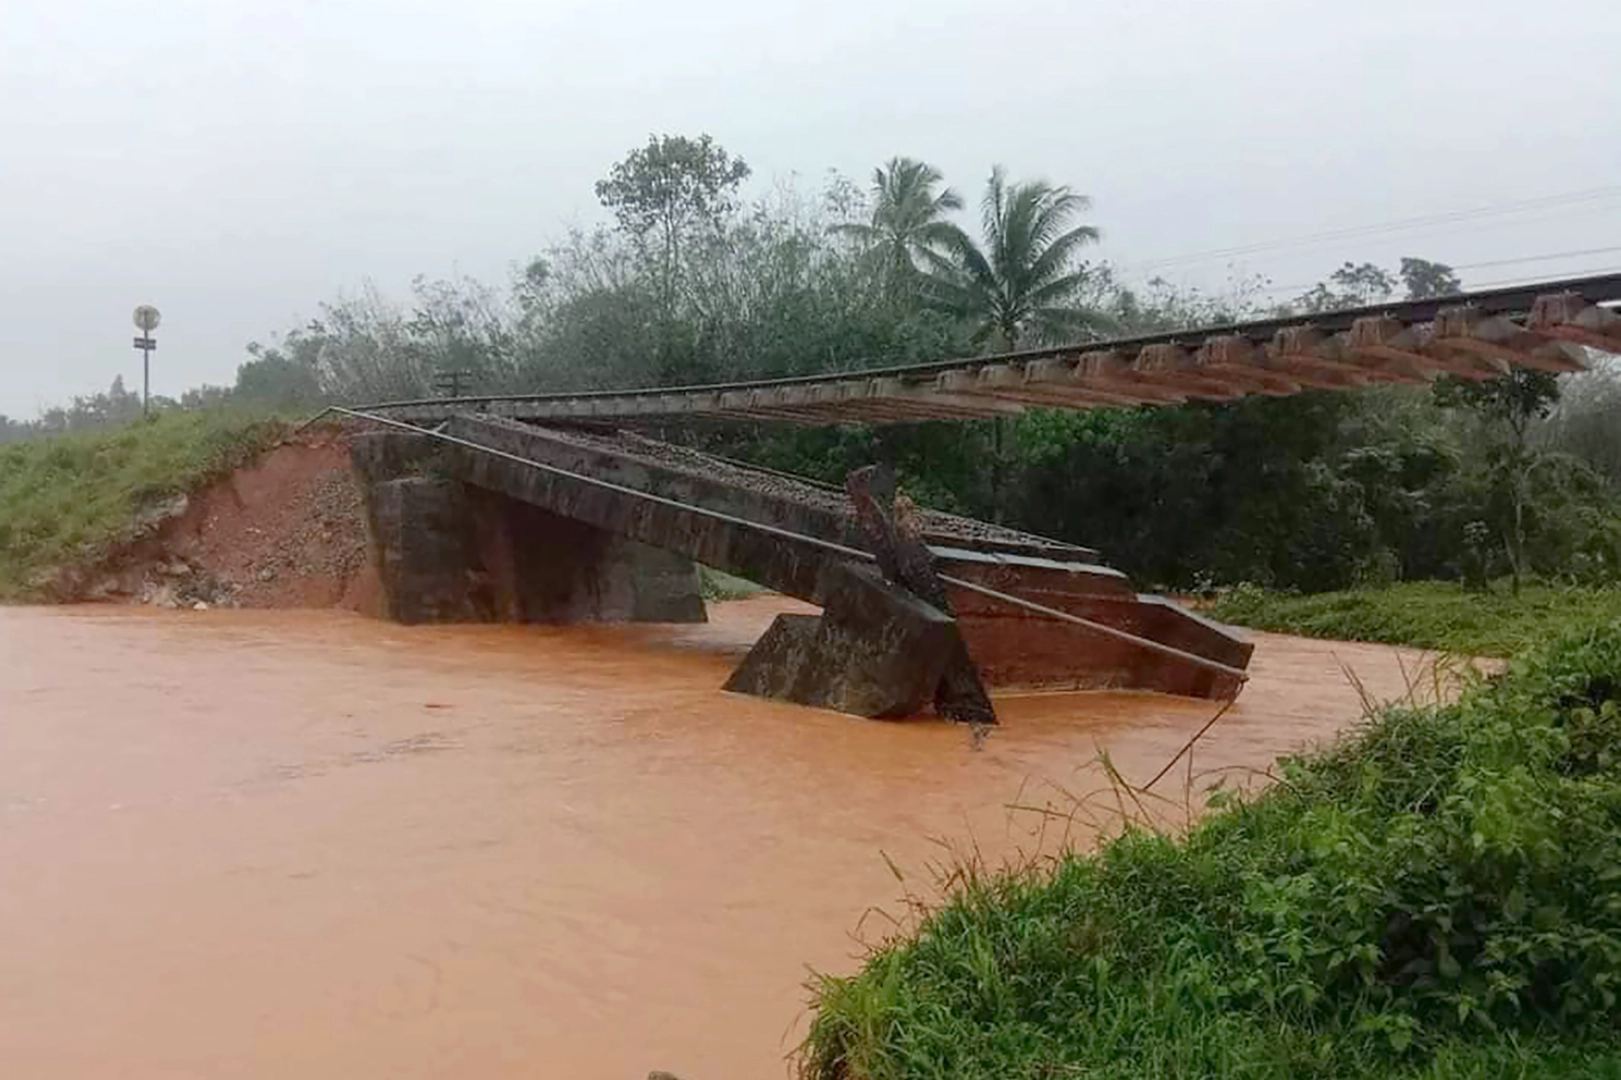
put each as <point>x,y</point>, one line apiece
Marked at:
<point>305,844</point>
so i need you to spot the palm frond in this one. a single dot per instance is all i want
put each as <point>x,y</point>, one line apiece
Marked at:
<point>1056,291</point>
<point>1056,207</point>
<point>947,200</point>
<point>957,250</point>
<point>1059,254</point>
<point>938,234</point>
<point>1021,275</point>
<point>993,210</point>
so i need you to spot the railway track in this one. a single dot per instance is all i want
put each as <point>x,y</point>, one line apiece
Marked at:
<point>1478,335</point>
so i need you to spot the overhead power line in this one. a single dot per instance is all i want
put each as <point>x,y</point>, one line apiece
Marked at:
<point>1569,199</point>
<point>1298,290</point>
<point>1539,258</point>
<point>1303,287</point>
<point>1522,280</point>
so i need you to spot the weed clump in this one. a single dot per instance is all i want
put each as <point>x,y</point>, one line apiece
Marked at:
<point>1438,894</point>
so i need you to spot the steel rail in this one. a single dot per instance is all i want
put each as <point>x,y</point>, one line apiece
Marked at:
<point>1600,288</point>
<point>786,534</point>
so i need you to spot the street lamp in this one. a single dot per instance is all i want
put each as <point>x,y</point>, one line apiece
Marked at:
<point>147,318</point>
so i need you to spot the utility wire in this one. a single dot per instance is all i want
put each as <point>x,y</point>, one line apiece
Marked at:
<point>1580,253</point>
<point>1538,258</point>
<point>1503,282</point>
<point>1498,283</point>
<point>1575,198</point>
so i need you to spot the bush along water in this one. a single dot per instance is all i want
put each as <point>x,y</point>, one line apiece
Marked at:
<point>1430,614</point>
<point>1438,894</point>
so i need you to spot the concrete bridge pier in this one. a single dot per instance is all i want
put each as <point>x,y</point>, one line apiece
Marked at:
<point>876,650</point>
<point>448,551</point>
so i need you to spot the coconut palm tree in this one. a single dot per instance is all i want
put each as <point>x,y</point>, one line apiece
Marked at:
<point>1022,286</point>
<point>908,217</point>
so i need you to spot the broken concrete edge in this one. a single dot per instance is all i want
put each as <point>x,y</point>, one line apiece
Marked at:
<point>1238,647</point>
<point>876,650</point>
<point>893,532</point>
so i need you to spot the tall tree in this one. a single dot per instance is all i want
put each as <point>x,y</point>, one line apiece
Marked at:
<point>272,378</point>
<point>1351,286</point>
<point>1509,403</point>
<point>909,218</point>
<point>1023,283</point>
<point>1364,284</point>
<point>1426,280</point>
<point>661,192</point>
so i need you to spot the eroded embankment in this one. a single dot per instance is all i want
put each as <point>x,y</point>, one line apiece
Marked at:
<point>286,531</point>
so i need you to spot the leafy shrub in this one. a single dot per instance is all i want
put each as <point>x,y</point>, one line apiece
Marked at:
<point>1438,894</point>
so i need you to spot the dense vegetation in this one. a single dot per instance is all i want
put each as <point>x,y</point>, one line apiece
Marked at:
<point>692,283</point>
<point>1429,614</point>
<point>1439,895</point>
<point>65,498</point>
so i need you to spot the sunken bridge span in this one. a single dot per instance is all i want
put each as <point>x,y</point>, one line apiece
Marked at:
<point>551,508</point>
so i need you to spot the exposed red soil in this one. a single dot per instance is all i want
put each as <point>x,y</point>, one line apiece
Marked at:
<point>286,532</point>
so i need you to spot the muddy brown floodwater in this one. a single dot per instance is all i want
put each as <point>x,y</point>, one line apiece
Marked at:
<point>307,844</point>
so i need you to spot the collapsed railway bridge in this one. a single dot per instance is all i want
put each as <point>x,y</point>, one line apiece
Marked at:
<point>553,508</point>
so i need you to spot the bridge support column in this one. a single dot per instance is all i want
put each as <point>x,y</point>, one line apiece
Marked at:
<point>423,550</point>
<point>447,551</point>
<point>876,650</point>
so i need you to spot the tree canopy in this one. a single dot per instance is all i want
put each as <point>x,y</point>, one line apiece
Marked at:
<point>910,219</point>
<point>1021,282</point>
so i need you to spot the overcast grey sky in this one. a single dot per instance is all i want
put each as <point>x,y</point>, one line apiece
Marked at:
<point>235,162</point>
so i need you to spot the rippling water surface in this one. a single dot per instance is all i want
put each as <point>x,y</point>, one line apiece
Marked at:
<point>304,844</point>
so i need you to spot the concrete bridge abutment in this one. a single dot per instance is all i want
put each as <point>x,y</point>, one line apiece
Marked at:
<point>449,551</point>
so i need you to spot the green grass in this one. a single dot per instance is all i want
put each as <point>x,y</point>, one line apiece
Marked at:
<point>64,499</point>
<point>718,585</point>
<point>1429,614</point>
<point>1436,896</point>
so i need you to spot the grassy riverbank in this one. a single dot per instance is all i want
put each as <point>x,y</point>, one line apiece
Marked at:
<point>719,585</point>
<point>1439,895</point>
<point>1429,614</point>
<point>64,499</point>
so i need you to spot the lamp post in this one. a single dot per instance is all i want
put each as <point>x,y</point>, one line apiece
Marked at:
<point>146,321</point>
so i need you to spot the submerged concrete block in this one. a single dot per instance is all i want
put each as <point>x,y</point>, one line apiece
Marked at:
<point>876,650</point>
